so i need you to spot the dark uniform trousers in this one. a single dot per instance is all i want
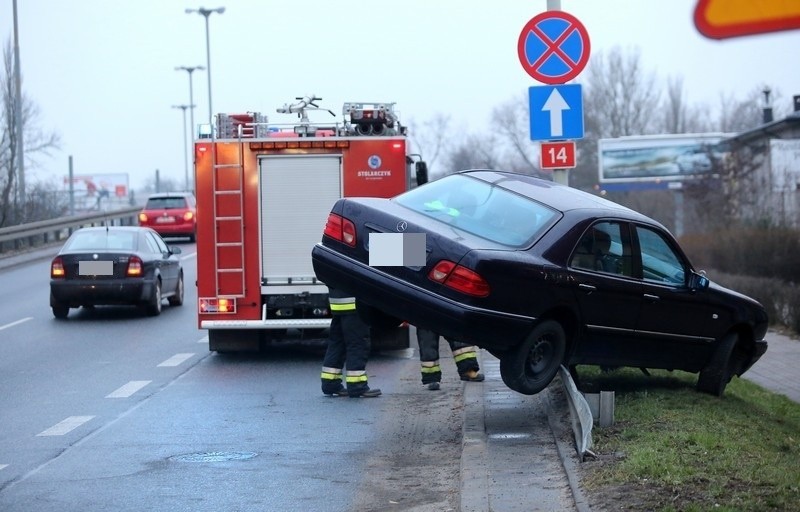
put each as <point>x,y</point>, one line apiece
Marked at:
<point>348,347</point>
<point>465,355</point>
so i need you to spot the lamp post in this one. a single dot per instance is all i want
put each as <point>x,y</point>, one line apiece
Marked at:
<point>206,13</point>
<point>190,70</point>
<point>185,157</point>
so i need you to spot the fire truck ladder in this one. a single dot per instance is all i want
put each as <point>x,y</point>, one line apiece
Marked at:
<point>228,185</point>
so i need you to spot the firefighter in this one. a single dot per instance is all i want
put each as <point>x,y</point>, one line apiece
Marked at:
<point>466,357</point>
<point>348,347</point>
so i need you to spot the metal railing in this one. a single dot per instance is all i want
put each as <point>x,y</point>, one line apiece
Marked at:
<point>25,237</point>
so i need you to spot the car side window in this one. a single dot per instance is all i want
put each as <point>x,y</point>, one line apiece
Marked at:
<point>660,263</point>
<point>152,244</point>
<point>602,248</point>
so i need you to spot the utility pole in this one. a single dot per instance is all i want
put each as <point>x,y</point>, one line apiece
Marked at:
<point>18,115</point>
<point>559,175</point>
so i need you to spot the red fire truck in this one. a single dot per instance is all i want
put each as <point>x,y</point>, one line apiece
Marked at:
<point>264,192</point>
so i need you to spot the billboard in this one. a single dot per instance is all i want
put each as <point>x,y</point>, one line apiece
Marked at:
<point>94,191</point>
<point>657,158</point>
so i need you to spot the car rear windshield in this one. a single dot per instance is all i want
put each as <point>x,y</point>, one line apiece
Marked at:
<point>166,203</point>
<point>99,240</point>
<point>481,208</point>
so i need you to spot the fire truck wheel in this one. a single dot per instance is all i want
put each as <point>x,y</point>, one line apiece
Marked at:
<point>177,299</point>
<point>153,306</point>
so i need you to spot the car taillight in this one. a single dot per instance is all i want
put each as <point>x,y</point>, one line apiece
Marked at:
<point>57,268</point>
<point>142,218</point>
<point>459,278</point>
<point>134,267</point>
<point>188,216</point>
<point>341,229</point>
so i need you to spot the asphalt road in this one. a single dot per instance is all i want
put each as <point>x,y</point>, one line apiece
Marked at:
<point>113,410</point>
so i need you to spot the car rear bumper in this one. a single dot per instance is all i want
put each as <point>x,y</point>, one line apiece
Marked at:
<point>486,328</point>
<point>100,292</point>
<point>173,229</point>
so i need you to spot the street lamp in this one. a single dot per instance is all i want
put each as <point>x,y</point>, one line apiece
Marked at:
<point>185,157</point>
<point>190,70</point>
<point>206,13</point>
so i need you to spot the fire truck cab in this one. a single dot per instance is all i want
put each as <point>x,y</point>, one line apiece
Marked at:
<point>264,192</point>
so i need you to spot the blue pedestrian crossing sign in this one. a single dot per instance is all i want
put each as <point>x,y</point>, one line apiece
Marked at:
<point>556,112</point>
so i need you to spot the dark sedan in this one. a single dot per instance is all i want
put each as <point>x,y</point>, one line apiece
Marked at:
<point>115,265</point>
<point>542,275</point>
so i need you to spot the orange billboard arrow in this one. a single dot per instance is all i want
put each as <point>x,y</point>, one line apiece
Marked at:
<point>720,19</point>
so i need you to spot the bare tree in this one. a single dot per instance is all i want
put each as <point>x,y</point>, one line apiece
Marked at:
<point>431,139</point>
<point>476,152</point>
<point>739,115</point>
<point>37,143</point>
<point>511,122</point>
<point>620,96</point>
<point>678,115</point>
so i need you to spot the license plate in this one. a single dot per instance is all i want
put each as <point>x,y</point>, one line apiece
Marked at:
<point>164,220</point>
<point>96,268</point>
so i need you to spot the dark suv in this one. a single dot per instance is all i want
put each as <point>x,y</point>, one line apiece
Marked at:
<point>171,214</point>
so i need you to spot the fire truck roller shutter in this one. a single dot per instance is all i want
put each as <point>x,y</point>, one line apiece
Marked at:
<point>297,193</point>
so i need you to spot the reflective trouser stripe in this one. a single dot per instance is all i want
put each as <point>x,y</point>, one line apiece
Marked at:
<point>465,353</point>
<point>356,376</point>
<point>431,367</point>
<point>331,373</point>
<point>342,304</point>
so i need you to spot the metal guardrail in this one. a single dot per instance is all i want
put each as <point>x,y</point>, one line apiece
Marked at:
<point>36,234</point>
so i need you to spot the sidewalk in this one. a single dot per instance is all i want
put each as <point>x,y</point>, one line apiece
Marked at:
<point>779,368</point>
<point>518,457</point>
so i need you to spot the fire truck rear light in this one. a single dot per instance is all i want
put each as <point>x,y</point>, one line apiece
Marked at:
<point>142,217</point>
<point>188,216</point>
<point>217,305</point>
<point>397,145</point>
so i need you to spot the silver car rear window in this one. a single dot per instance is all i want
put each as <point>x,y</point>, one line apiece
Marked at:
<point>480,208</point>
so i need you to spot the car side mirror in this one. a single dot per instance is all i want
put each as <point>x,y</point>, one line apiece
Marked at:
<point>422,172</point>
<point>698,281</point>
<point>174,249</point>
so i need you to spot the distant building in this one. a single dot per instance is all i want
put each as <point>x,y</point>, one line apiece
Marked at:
<point>763,177</point>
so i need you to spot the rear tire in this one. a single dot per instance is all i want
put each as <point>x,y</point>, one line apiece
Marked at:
<point>153,307</point>
<point>719,371</point>
<point>60,311</point>
<point>529,367</point>
<point>177,299</point>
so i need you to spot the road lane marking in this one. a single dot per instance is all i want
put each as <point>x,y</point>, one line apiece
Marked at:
<point>129,389</point>
<point>176,359</point>
<point>204,339</point>
<point>12,324</point>
<point>66,426</point>
<point>3,466</point>
<point>189,256</point>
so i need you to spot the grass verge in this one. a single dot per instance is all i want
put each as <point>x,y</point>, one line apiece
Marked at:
<point>674,449</point>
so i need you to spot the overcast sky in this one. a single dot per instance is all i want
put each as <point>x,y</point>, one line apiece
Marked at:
<point>102,71</point>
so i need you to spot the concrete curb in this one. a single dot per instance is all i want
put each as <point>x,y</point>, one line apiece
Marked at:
<point>485,484</point>
<point>474,467</point>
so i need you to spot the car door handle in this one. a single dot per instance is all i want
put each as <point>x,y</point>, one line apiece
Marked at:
<point>587,287</point>
<point>654,298</point>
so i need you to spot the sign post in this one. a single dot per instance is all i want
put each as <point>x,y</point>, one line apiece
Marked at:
<point>553,48</point>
